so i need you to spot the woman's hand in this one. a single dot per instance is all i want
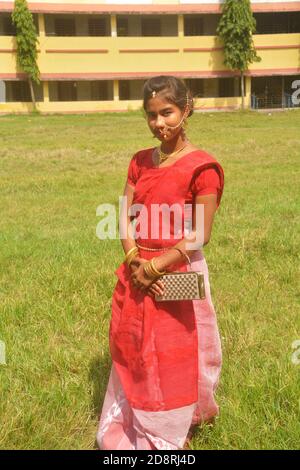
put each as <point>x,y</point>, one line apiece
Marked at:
<point>156,288</point>
<point>141,281</point>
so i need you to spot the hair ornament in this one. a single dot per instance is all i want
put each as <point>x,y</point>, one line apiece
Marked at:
<point>153,94</point>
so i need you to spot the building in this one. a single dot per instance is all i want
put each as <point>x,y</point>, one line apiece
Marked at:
<point>94,55</point>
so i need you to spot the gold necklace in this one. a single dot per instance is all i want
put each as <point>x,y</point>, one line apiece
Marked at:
<point>164,156</point>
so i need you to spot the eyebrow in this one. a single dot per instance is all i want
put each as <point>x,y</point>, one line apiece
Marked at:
<point>169,108</point>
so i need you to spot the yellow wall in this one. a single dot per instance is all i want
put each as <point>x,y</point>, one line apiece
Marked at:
<point>284,54</point>
<point>115,61</point>
<point>96,106</point>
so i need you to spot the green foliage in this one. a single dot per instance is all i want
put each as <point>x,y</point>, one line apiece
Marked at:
<point>26,40</point>
<point>235,28</point>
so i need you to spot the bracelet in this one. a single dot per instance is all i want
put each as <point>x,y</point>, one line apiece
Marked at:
<point>182,253</point>
<point>134,248</point>
<point>131,254</point>
<point>148,272</point>
<point>155,270</point>
<point>151,271</point>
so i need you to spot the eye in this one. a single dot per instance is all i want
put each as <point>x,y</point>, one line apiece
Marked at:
<point>167,112</point>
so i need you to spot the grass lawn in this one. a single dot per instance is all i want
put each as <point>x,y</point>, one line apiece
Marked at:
<point>57,277</point>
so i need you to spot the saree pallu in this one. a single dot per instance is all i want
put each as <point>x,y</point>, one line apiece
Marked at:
<point>166,355</point>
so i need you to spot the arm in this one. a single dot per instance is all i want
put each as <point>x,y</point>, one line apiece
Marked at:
<point>125,226</point>
<point>209,202</point>
<point>128,242</point>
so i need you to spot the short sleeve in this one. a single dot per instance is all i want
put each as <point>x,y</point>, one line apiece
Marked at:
<point>132,175</point>
<point>207,182</point>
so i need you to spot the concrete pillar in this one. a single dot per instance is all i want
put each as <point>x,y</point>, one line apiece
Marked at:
<point>180,26</point>
<point>247,92</point>
<point>282,92</point>
<point>42,35</point>
<point>41,25</point>
<point>2,91</point>
<point>113,25</point>
<point>116,90</point>
<point>46,92</point>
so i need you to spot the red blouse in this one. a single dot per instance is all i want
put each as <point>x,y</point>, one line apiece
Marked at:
<point>207,182</point>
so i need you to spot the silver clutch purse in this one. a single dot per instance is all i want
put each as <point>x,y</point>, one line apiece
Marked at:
<point>182,286</point>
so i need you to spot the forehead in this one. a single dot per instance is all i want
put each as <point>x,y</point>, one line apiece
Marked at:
<point>158,103</point>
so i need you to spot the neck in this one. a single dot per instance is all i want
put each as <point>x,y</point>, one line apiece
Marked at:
<point>175,144</point>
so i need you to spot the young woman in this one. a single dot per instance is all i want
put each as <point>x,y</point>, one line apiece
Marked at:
<point>166,355</point>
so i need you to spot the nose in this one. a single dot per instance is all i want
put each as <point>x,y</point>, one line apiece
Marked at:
<point>160,123</point>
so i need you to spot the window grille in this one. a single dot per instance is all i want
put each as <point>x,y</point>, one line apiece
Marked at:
<point>151,27</point>
<point>122,27</point>
<point>97,27</point>
<point>65,27</point>
<point>193,26</point>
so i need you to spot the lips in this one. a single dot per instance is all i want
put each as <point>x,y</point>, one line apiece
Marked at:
<point>161,133</point>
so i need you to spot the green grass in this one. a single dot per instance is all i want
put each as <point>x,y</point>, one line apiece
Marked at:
<point>57,277</point>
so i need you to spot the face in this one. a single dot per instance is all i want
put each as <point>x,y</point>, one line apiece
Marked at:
<point>160,114</point>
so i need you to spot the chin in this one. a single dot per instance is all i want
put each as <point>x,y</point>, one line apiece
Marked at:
<point>161,138</point>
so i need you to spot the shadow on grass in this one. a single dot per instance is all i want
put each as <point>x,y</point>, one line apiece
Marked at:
<point>99,371</point>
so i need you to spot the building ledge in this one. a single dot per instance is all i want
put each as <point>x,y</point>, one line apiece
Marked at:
<point>39,7</point>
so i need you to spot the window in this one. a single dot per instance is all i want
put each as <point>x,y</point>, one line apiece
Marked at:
<point>294,22</point>
<point>193,26</point>
<point>288,81</point>
<point>97,27</point>
<point>131,89</point>
<point>226,87</point>
<point>7,28</point>
<point>122,27</point>
<point>124,90</point>
<point>151,27</point>
<point>18,91</point>
<point>85,90</point>
<point>67,91</point>
<point>100,91</point>
<point>196,85</point>
<point>65,27</point>
<point>276,23</point>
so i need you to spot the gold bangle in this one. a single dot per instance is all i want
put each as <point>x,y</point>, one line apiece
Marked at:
<point>130,260</point>
<point>134,248</point>
<point>155,270</point>
<point>182,253</point>
<point>148,271</point>
<point>131,255</point>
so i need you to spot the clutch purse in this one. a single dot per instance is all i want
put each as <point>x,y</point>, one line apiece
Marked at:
<point>182,286</point>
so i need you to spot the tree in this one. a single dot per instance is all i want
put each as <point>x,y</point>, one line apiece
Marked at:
<point>235,28</point>
<point>26,44</point>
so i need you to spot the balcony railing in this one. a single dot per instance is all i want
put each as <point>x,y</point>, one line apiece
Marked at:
<point>272,101</point>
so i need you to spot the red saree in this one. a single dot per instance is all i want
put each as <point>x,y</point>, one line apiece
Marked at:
<point>166,356</point>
